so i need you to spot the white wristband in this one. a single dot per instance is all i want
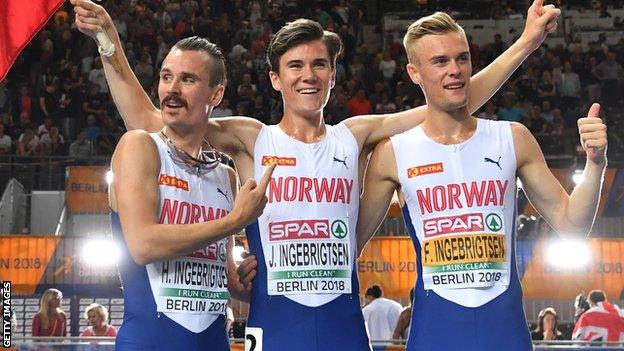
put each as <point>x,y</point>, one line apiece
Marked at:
<point>106,47</point>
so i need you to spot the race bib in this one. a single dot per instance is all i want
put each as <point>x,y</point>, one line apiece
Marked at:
<point>465,251</point>
<point>194,284</point>
<point>309,256</point>
<point>253,339</point>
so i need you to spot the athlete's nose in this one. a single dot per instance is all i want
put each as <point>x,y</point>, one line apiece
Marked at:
<point>308,73</point>
<point>454,69</point>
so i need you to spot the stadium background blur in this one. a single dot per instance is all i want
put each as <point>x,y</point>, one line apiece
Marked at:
<point>59,127</point>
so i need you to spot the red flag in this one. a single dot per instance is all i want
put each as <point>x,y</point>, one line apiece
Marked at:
<point>604,322</point>
<point>20,20</point>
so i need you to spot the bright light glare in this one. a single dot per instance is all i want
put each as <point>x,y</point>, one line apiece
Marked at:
<point>109,177</point>
<point>568,254</point>
<point>100,252</point>
<point>578,177</point>
<point>237,253</point>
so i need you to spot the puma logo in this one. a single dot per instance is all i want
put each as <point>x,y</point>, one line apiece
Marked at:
<point>344,162</point>
<point>487,159</point>
<point>224,194</point>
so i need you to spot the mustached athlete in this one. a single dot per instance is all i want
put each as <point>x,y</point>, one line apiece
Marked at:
<point>172,227</point>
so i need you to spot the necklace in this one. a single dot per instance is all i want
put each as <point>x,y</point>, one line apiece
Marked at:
<point>206,161</point>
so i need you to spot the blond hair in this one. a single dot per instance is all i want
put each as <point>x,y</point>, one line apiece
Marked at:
<point>99,309</point>
<point>44,312</point>
<point>436,24</point>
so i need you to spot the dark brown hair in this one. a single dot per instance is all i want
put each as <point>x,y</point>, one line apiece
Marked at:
<point>299,32</point>
<point>217,68</point>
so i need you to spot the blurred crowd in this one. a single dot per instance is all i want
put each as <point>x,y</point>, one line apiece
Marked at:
<point>55,100</point>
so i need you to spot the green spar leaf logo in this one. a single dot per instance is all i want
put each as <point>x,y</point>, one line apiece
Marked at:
<point>493,222</point>
<point>339,229</point>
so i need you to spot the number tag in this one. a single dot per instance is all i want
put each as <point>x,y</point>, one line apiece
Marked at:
<point>253,339</point>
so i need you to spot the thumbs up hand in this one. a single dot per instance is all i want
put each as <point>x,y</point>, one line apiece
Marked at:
<point>593,134</point>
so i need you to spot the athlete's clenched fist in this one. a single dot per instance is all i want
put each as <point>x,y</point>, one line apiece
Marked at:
<point>593,134</point>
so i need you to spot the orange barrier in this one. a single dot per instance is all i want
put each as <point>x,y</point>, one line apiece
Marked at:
<point>87,190</point>
<point>23,260</point>
<point>389,262</point>
<point>605,271</point>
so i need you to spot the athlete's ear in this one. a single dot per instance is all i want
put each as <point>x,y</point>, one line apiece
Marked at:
<point>413,72</point>
<point>217,96</point>
<point>332,82</point>
<point>274,76</point>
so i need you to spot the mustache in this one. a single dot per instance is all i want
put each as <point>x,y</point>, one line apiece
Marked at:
<point>174,98</point>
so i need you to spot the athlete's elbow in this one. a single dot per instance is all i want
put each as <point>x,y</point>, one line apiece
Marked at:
<point>143,253</point>
<point>141,257</point>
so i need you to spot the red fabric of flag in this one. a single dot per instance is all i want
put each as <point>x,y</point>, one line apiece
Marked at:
<point>20,20</point>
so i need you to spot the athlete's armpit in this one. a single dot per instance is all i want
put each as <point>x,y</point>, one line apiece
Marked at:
<point>380,182</point>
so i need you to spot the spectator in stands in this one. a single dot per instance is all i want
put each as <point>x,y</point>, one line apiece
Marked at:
<point>401,331</point>
<point>97,315</point>
<point>28,142</point>
<point>81,147</point>
<point>6,142</point>
<point>609,71</point>
<point>360,105</point>
<point>510,112</point>
<point>546,89</point>
<point>603,321</point>
<point>94,102</point>
<point>48,102</point>
<point>380,314</point>
<point>53,143</point>
<point>547,328</point>
<point>388,66</point>
<point>338,110</point>
<point>592,78</point>
<point>570,87</point>
<point>96,76</point>
<point>51,320</point>
<point>24,101</point>
<point>92,131</point>
<point>45,127</point>
<point>490,112</point>
<point>5,98</point>
<point>223,110</point>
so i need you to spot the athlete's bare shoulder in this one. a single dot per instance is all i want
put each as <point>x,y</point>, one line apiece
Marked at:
<point>234,134</point>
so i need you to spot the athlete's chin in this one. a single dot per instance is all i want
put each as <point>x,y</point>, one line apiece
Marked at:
<point>456,104</point>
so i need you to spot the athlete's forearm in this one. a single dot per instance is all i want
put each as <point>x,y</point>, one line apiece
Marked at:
<point>133,104</point>
<point>164,241</point>
<point>583,204</point>
<point>487,82</point>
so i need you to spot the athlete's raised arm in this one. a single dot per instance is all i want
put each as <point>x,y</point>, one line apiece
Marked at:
<point>231,135</point>
<point>136,166</point>
<point>380,182</point>
<point>541,20</point>
<point>569,215</point>
<point>134,105</point>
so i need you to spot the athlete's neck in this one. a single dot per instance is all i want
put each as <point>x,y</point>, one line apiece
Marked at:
<point>307,129</point>
<point>449,128</point>
<point>191,141</point>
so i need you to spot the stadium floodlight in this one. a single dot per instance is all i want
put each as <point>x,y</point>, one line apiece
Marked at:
<point>578,176</point>
<point>100,252</point>
<point>568,253</point>
<point>237,253</point>
<point>109,177</point>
